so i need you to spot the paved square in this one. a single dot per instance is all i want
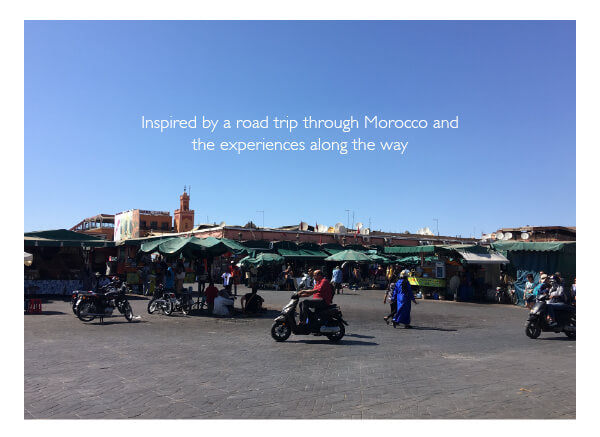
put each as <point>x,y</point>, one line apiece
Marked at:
<point>462,360</point>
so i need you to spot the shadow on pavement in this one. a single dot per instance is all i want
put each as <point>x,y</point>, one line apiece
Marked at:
<point>558,338</point>
<point>359,336</point>
<point>430,328</point>
<point>45,313</point>
<point>342,342</point>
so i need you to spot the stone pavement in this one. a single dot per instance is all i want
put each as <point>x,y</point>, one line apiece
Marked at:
<point>461,361</point>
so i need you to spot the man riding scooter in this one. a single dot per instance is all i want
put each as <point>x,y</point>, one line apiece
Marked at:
<point>557,300</point>
<point>322,295</point>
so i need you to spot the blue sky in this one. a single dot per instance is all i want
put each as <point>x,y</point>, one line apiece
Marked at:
<point>510,163</point>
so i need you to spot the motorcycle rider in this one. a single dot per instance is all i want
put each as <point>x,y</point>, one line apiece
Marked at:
<point>557,300</point>
<point>322,295</point>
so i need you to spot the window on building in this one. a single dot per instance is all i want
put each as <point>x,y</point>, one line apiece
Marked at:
<point>153,225</point>
<point>164,226</point>
<point>143,224</point>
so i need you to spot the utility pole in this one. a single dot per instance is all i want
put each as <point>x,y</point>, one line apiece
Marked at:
<point>352,220</point>
<point>263,218</point>
<point>437,225</point>
<point>348,220</point>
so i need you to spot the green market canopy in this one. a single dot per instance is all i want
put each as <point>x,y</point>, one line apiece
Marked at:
<point>64,238</point>
<point>193,246</point>
<point>301,253</point>
<point>416,250</point>
<point>349,255</point>
<point>262,259</point>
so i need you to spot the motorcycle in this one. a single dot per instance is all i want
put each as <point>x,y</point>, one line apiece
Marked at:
<point>161,300</point>
<point>115,284</point>
<point>326,321</point>
<point>538,319</point>
<point>102,304</point>
<point>506,294</point>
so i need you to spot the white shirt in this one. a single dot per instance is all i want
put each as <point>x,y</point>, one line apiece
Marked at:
<point>226,277</point>
<point>220,306</point>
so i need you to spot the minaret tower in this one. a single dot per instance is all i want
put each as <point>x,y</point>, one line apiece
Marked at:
<point>184,218</point>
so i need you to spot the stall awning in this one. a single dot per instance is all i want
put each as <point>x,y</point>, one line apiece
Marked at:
<point>414,250</point>
<point>551,246</point>
<point>482,258</point>
<point>301,253</point>
<point>64,238</point>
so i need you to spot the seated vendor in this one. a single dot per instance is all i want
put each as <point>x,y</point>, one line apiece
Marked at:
<point>223,305</point>
<point>252,302</point>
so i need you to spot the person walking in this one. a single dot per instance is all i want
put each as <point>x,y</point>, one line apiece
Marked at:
<point>404,296</point>
<point>389,294</point>
<point>336,280</point>
<point>528,296</point>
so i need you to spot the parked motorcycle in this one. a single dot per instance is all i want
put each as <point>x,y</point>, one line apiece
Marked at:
<point>102,304</point>
<point>538,319</point>
<point>114,285</point>
<point>182,303</point>
<point>326,321</point>
<point>161,300</point>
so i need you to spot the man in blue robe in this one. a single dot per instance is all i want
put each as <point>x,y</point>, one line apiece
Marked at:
<point>404,296</point>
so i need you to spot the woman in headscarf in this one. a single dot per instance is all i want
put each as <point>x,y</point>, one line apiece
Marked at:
<point>403,296</point>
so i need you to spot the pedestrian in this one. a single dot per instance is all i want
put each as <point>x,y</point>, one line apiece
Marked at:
<point>235,272</point>
<point>202,276</point>
<point>389,297</point>
<point>528,296</point>
<point>336,280</point>
<point>404,296</point>
<point>211,293</point>
<point>179,278</point>
<point>226,280</point>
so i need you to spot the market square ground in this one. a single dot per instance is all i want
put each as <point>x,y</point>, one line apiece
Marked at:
<point>462,361</point>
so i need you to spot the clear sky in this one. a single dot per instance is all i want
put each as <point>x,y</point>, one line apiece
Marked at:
<point>511,162</point>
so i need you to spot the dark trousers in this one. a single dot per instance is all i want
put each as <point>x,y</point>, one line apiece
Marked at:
<point>552,307</point>
<point>393,308</point>
<point>310,303</point>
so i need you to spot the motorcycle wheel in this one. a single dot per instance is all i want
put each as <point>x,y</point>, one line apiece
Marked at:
<point>151,306</point>
<point>533,329</point>
<point>571,323</point>
<point>168,307</point>
<point>85,311</point>
<point>128,311</point>
<point>515,299</point>
<point>338,335</point>
<point>280,331</point>
<point>186,307</point>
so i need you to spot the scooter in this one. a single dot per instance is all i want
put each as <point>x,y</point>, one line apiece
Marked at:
<point>538,319</point>
<point>326,321</point>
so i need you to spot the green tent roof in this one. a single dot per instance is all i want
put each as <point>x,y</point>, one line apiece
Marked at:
<point>193,246</point>
<point>64,238</point>
<point>301,253</point>
<point>349,255</point>
<point>262,259</point>
<point>554,246</point>
<point>413,250</point>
